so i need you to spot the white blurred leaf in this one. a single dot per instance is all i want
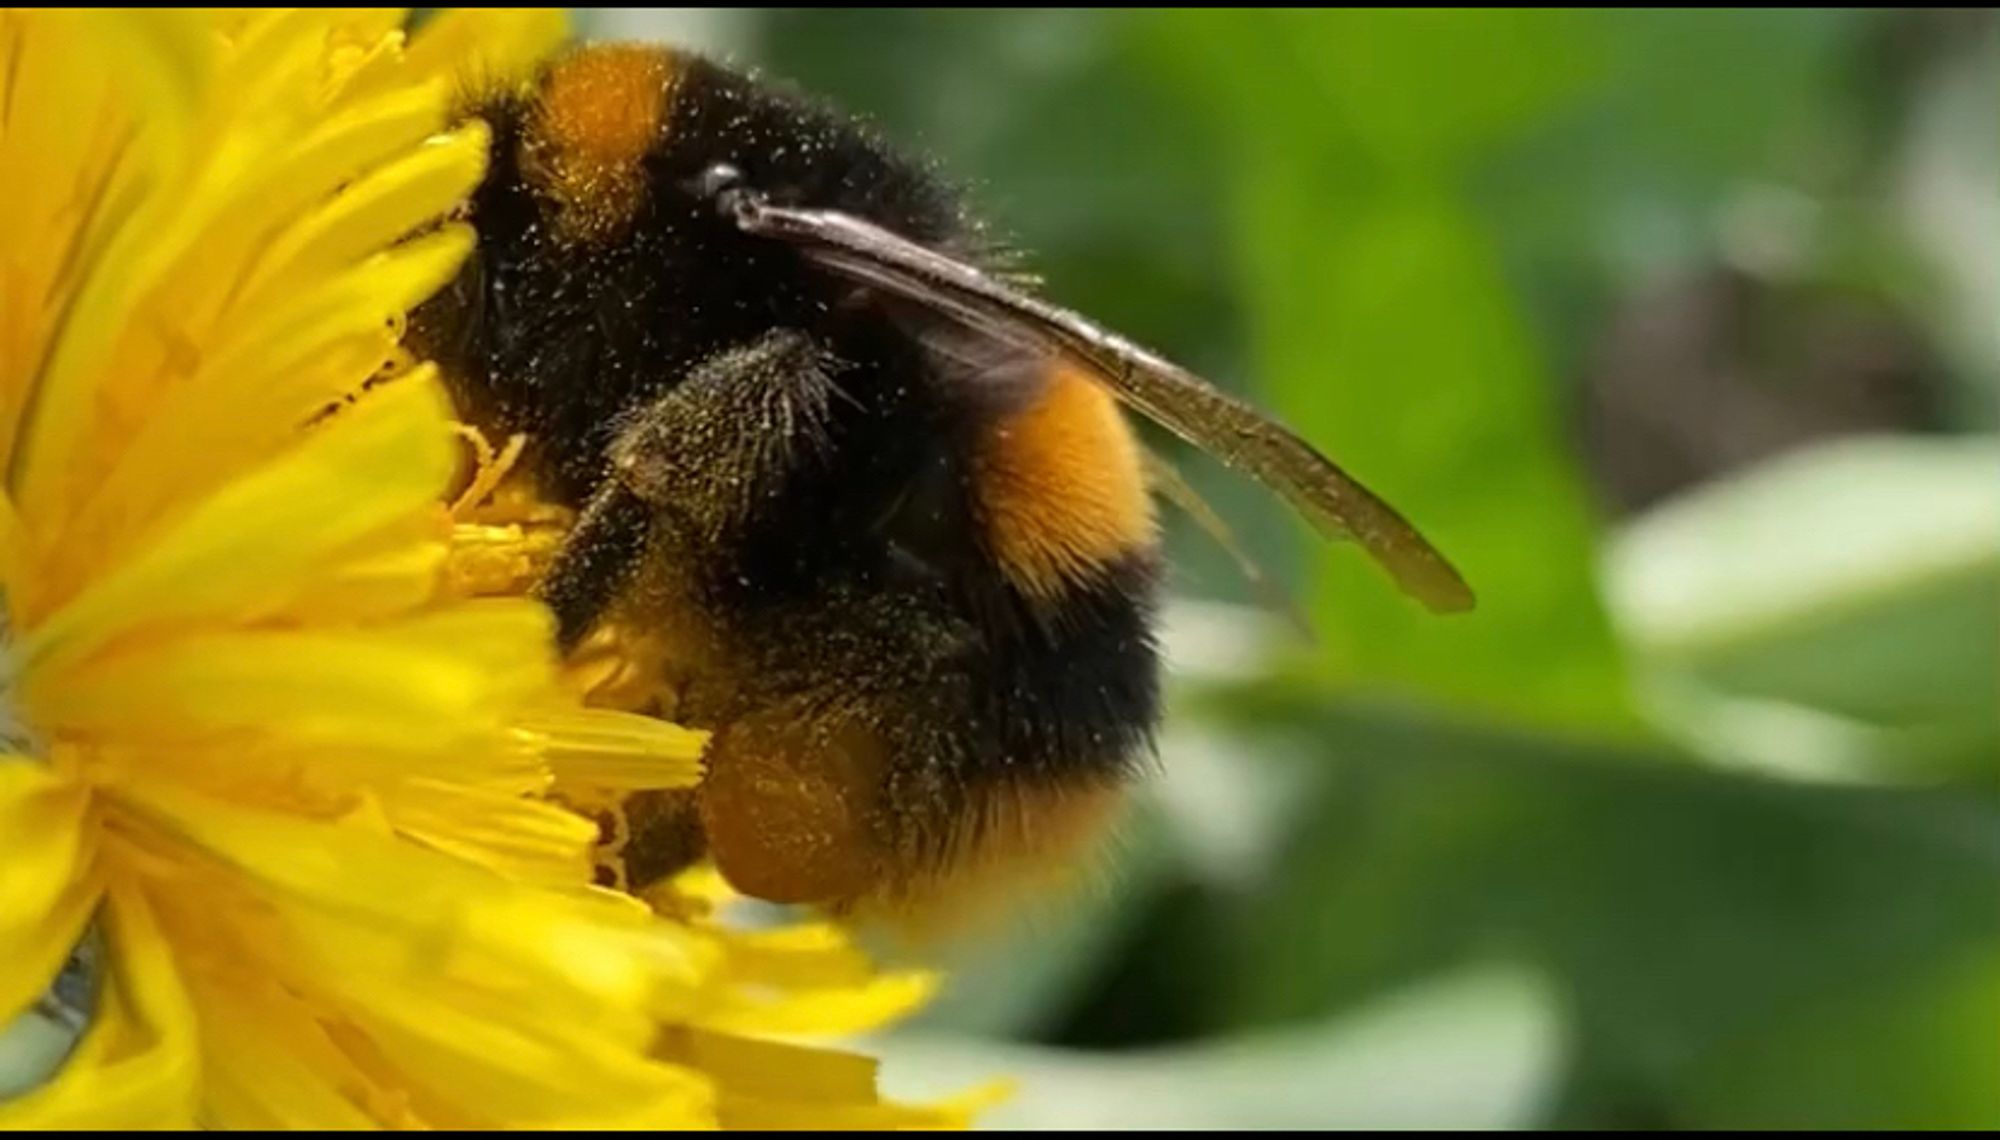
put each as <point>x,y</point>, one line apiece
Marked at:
<point>1477,1050</point>
<point>1835,612</point>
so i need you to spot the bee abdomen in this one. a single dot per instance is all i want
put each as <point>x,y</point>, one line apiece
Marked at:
<point>1059,488</point>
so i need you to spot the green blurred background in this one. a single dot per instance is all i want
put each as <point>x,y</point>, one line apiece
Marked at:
<point>1677,330</point>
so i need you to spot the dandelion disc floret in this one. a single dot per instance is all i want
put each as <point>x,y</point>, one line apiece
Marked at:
<point>268,761</point>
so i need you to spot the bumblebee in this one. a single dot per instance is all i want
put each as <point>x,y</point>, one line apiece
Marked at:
<point>874,497</point>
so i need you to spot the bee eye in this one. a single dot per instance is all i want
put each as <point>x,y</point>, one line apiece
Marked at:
<point>717,179</point>
<point>723,185</point>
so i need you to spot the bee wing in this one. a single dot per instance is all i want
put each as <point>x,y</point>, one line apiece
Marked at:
<point>1171,485</point>
<point>1183,403</point>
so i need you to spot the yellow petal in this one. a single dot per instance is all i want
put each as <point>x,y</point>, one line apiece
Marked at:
<point>395,572</point>
<point>606,749</point>
<point>251,547</point>
<point>486,48</point>
<point>169,63</point>
<point>49,225</point>
<point>778,1071</point>
<point>378,209</point>
<point>168,59</point>
<point>532,1070</point>
<point>526,840</point>
<point>261,383</point>
<point>474,927</point>
<point>369,64</point>
<point>370,293</point>
<point>46,886</point>
<point>268,1063</point>
<point>837,1010</point>
<point>807,954</point>
<point>748,1114</point>
<point>136,1066</point>
<point>767,1085</point>
<point>424,683</point>
<point>811,978</point>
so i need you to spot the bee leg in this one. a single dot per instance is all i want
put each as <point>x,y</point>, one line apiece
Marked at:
<point>598,557</point>
<point>662,835</point>
<point>713,450</point>
<point>685,474</point>
<point>849,754</point>
<point>689,468</point>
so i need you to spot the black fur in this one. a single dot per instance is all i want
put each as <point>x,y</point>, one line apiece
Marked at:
<point>804,452</point>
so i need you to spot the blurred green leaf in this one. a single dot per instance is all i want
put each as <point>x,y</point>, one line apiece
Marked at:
<point>1684,909</point>
<point>1394,81</point>
<point>1633,180</point>
<point>1709,96</point>
<point>1915,1052</point>
<point>1476,1050</point>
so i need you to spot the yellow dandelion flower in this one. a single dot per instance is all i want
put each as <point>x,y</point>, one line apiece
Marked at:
<point>273,776</point>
